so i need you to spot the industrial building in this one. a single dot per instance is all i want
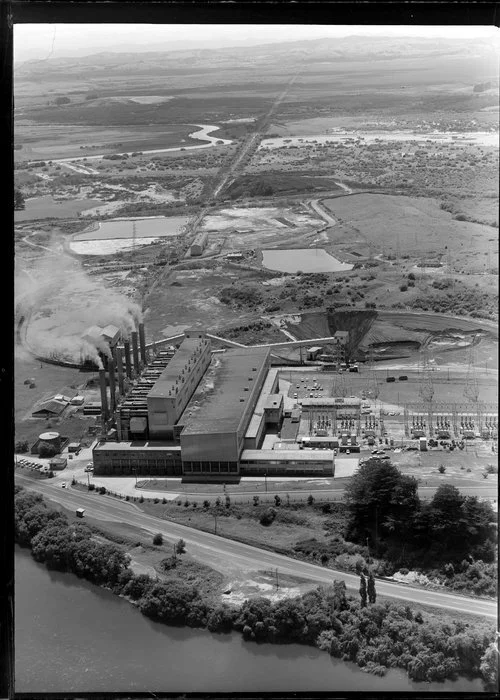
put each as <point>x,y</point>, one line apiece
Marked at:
<point>206,415</point>
<point>199,244</point>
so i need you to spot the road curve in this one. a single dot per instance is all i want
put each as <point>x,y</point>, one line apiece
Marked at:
<point>229,556</point>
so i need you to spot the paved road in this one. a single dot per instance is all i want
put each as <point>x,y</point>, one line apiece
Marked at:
<point>232,557</point>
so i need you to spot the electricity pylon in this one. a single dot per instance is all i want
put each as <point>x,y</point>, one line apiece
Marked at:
<point>471,390</point>
<point>426,389</point>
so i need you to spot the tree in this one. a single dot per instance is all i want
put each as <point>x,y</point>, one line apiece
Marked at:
<point>62,101</point>
<point>310,499</point>
<point>381,501</point>
<point>372,594</point>
<point>489,667</point>
<point>45,449</point>
<point>362,590</point>
<point>158,539</point>
<point>19,202</point>
<point>277,499</point>
<point>256,500</point>
<point>180,547</point>
<point>22,446</point>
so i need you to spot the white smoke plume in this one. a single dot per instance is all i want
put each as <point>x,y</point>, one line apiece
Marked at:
<point>59,301</point>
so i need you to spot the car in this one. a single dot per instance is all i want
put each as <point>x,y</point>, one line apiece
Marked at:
<point>348,452</point>
<point>63,485</point>
<point>393,413</point>
<point>294,396</point>
<point>89,468</point>
<point>297,386</point>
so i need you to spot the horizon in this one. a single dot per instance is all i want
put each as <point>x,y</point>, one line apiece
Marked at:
<point>36,42</point>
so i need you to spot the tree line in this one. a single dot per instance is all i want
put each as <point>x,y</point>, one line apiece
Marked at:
<point>375,636</point>
<point>453,533</point>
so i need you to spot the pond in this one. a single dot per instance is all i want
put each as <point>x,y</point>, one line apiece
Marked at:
<point>118,234</point>
<point>303,259</point>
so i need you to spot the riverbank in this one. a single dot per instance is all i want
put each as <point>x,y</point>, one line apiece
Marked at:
<point>376,637</point>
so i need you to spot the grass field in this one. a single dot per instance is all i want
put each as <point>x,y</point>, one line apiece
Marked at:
<point>51,141</point>
<point>417,225</point>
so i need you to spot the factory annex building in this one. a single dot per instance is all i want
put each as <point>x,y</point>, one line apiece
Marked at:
<point>201,415</point>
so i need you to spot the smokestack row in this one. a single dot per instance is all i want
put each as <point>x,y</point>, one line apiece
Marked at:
<point>142,344</point>
<point>104,395</point>
<point>119,367</point>
<point>128,368</point>
<point>112,385</point>
<point>135,353</point>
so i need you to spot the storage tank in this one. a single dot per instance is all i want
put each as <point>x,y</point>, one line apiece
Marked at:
<point>51,438</point>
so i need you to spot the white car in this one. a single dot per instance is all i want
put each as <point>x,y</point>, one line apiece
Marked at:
<point>63,485</point>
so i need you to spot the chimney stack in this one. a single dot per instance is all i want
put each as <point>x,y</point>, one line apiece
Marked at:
<point>119,366</point>
<point>126,345</point>
<point>112,386</point>
<point>104,395</point>
<point>135,353</point>
<point>142,344</point>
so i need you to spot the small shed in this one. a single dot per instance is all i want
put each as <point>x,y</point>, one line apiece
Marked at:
<point>80,512</point>
<point>58,463</point>
<point>312,353</point>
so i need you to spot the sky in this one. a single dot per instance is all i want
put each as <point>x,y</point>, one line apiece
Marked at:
<point>41,41</point>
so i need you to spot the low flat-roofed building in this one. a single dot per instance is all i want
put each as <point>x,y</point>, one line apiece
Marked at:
<point>256,427</point>
<point>298,462</point>
<point>273,409</point>
<point>176,384</point>
<point>138,457</point>
<point>215,426</point>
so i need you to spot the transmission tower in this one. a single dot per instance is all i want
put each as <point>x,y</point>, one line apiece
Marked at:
<point>339,387</point>
<point>426,389</point>
<point>471,390</point>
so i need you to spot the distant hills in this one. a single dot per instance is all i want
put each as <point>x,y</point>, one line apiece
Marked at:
<point>351,48</point>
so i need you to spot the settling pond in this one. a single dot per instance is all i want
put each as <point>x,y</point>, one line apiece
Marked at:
<point>118,234</point>
<point>71,636</point>
<point>303,259</point>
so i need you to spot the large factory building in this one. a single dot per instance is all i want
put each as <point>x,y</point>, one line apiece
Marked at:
<point>200,414</point>
<point>214,430</point>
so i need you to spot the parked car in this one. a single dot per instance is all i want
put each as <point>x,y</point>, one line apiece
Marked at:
<point>63,485</point>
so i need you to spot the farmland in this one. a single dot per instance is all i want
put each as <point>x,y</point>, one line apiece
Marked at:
<point>384,158</point>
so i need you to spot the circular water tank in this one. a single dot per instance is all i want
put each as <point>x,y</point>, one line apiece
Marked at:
<point>52,438</point>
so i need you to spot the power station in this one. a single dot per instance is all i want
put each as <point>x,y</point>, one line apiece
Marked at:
<point>204,415</point>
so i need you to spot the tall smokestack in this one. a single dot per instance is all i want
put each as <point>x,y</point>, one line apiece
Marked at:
<point>135,352</point>
<point>142,344</point>
<point>104,395</point>
<point>112,385</point>
<point>128,366</point>
<point>119,366</point>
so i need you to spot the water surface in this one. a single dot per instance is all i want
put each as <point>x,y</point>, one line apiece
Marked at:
<point>303,259</point>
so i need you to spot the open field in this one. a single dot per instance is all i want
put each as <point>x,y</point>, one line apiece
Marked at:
<point>418,226</point>
<point>52,141</point>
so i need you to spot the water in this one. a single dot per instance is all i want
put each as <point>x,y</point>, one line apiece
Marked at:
<point>72,636</point>
<point>303,259</point>
<point>157,227</point>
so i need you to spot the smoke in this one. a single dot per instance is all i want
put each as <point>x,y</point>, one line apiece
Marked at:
<point>59,301</point>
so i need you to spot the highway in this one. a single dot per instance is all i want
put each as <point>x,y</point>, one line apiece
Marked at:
<point>234,557</point>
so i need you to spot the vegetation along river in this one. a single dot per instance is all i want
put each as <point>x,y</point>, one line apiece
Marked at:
<point>72,636</point>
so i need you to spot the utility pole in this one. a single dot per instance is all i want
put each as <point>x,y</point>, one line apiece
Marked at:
<point>265,480</point>
<point>277,580</point>
<point>88,481</point>
<point>215,527</point>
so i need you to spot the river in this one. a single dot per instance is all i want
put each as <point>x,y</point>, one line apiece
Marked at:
<point>72,636</point>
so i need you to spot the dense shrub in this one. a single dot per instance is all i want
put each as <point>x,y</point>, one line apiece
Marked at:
<point>267,517</point>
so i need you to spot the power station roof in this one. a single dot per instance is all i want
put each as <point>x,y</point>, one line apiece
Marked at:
<point>329,402</point>
<point>221,409</point>
<point>166,382</point>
